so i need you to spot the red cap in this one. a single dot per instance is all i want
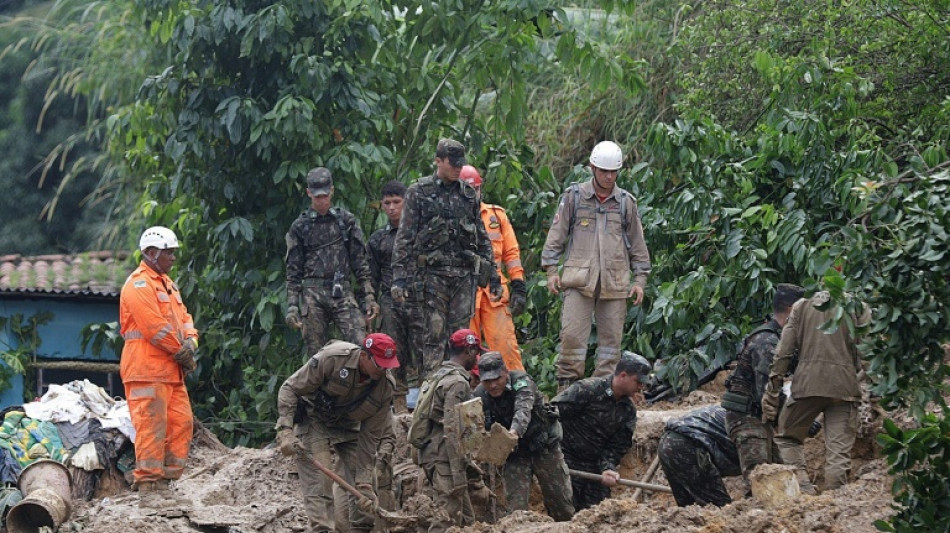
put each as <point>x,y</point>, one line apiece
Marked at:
<point>383,349</point>
<point>469,174</point>
<point>464,338</point>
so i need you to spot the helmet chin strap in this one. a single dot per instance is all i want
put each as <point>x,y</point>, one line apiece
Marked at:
<point>153,261</point>
<point>597,182</point>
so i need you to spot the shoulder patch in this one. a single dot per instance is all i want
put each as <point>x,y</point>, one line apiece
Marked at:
<point>520,384</point>
<point>139,283</point>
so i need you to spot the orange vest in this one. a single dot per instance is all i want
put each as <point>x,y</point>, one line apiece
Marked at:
<point>154,323</point>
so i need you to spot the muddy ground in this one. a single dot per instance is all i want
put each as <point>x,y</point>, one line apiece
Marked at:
<point>244,490</point>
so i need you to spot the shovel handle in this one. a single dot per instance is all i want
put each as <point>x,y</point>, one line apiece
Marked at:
<point>331,474</point>
<point>627,482</point>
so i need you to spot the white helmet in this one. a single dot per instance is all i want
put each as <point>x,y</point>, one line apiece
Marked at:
<point>159,237</point>
<point>606,155</point>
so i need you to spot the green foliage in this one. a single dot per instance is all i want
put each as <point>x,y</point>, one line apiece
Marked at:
<point>922,458</point>
<point>99,337</point>
<point>24,342</point>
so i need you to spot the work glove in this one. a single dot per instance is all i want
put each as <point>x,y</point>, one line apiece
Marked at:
<point>293,317</point>
<point>770,404</point>
<point>519,296</point>
<point>186,355</point>
<point>288,442</point>
<point>494,286</point>
<point>366,505</point>
<point>398,291</point>
<point>815,428</point>
<point>370,307</point>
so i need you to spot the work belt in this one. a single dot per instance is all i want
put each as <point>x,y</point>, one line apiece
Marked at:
<point>442,261</point>
<point>317,282</point>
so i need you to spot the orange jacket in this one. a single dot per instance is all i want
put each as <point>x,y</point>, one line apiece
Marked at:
<point>154,323</point>
<point>504,245</point>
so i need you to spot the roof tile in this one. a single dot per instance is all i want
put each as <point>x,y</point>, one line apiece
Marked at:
<point>90,273</point>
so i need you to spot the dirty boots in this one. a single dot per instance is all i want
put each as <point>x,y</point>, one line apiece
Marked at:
<point>157,495</point>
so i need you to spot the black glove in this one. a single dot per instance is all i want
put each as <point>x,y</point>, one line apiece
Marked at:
<point>519,296</point>
<point>494,286</point>
<point>815,428</point>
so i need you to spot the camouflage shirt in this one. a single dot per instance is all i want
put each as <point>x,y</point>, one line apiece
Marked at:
<point>319,246</point>
<point>521,408</point>
<point>598,428</point>
<point>441,230</point>
<point>381,257</point>
<point>752,365</point>
<point>706,426</point>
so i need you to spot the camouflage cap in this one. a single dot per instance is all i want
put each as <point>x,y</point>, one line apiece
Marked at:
<point>319,181</point>
<point>491,366</point>
<point>634,363</point>
<point>786,294</point>
<point>452,150</point>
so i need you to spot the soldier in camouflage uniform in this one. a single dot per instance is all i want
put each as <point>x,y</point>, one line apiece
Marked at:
<point>441,249</point>
<point>396,319</point>
<point>696,453</point>
<point>744,387</point>
<point>441,456</point>
<point>599,419</point>
<point>325,247</point>
<point>344,394</point>
<point>511,399</point>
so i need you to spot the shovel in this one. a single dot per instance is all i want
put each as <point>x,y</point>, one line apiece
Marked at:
<point>645,486</point>
<point>389,516</point>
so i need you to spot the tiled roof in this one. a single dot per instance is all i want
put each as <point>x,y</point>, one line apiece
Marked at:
<point>87,274</point>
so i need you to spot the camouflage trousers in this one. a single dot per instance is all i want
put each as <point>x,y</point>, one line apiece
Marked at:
<point>549,467</point>
<point>753,441</point>
<point>586,493</point>
<point>319,309</point>
<point>400,321</point>
<point>355,460</point>
<point>690,471</point>
<point>576,315</point>
<point>456,503</point>
<point>448,306</point>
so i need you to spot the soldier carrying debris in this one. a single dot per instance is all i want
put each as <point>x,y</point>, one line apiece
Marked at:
<point>512,400</point>
<point>436,433</point>
<point>339,401</point>
<point>599,420</point>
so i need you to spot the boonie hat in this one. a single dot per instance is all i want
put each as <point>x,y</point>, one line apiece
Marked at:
<point>319,181</point>
<point>490,366</point>
<point>383,349</point>
<point>464,338</point>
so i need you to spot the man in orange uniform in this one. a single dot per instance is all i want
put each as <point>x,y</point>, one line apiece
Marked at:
<point>493,320</point>
<point>160,342</point>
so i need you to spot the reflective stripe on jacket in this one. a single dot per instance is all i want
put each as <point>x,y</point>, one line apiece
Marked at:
<point>154,323</point>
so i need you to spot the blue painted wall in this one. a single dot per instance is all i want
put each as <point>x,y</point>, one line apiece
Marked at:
<point>61,336</point>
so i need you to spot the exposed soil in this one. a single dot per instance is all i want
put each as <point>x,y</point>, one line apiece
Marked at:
<point>245,490</point>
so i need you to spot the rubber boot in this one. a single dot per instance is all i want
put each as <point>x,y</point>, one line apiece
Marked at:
<point>156,495</point>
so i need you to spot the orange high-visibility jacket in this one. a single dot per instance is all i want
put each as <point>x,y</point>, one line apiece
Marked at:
<point>154,323</point>
<point>504,245</point>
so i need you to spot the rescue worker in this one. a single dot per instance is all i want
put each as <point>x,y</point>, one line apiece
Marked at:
<point>493,319</point>
<point>325,247</point>
<point>825,380</point>
<point>513,400</point>
<point>597,227</point>
<point>745,386</point>
<point>599,418</point>
<point>440,455</point>
<point>395,318</point>
<point>441,251</point>
<point>160,343</point>
<point>338,402</point>
<point>695,453</point>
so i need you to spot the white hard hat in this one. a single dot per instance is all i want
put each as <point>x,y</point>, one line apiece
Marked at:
<point>606,155</point>
<point>158,237</point>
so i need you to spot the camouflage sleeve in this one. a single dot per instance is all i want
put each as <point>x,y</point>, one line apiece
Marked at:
<point>761,351</point>
<point>359,263</point>
<point>455,392</point>
<point>788,345</point>
<point>375,265</point>
<point>525,393</point>
<point>558,234</point>
<point>302,383</point>
<point>639,254</point>
<point>295,263</point>
<point>405,235</point>
<point>572,402</point>
<point>620,442</point>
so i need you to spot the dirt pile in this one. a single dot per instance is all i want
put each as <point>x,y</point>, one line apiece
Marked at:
<point>245,490</point>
